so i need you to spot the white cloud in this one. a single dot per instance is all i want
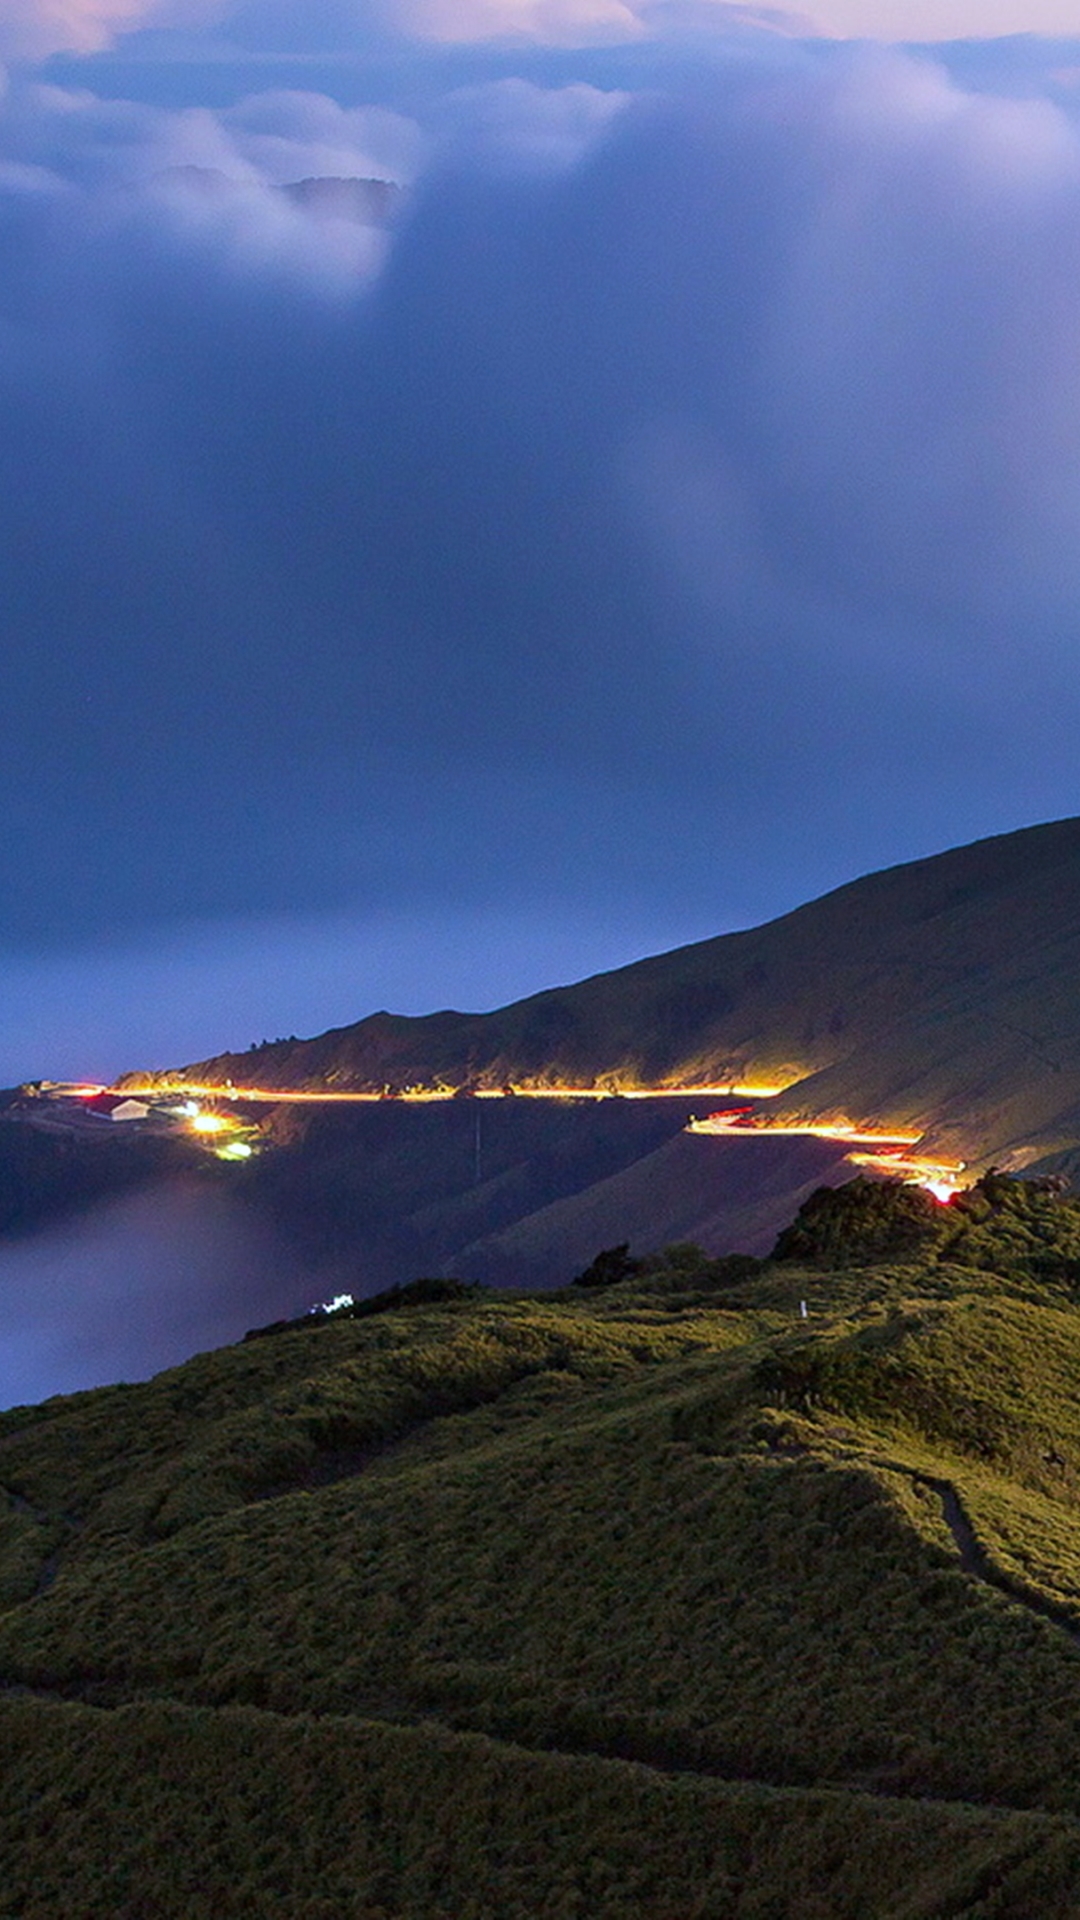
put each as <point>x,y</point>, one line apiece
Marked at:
<point>33,28</point>
<point>291,135</point>
<point>929,20</point>
<point>265,139</point>
<point>519,124</point>
<point>724,465</point>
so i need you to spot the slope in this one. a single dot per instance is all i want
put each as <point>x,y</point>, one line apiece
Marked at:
<point>937,995</point>
<point>721,1193</point>
<point>652,1603</point>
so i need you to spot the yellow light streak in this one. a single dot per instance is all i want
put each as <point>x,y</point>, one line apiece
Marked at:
<point>418,1095</point>
<point>942,1178</point>
<point>741,1125</point>
<point>939,1177</point>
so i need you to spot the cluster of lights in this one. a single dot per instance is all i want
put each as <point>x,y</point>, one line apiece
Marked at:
<point>942,1178</point>
<point>209,1125</point>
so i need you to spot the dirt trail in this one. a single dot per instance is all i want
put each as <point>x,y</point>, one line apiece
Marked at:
<point>974,1559</point>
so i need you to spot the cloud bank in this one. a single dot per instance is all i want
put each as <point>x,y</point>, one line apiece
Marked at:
<point>669,506</point>
<point>32,29</point>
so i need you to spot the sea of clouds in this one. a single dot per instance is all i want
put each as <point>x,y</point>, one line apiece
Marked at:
<point>670,510</point>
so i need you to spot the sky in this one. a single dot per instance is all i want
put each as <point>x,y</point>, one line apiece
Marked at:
<point>663,507</point>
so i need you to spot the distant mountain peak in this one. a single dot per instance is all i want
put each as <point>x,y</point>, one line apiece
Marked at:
<point>366,201</point>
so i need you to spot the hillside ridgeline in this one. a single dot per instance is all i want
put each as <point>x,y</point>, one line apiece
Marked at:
<point>938,996</point>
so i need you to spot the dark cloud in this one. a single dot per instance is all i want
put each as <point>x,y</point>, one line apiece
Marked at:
<point>678,504</point>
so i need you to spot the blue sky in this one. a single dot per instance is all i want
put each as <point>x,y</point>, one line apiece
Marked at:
<point>670,511</point>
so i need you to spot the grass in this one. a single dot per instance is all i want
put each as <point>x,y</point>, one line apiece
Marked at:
<point>645,1601</point>
<point>192,1815</point>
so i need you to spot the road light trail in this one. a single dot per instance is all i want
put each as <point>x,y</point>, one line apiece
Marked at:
<point>889,1154</point>
<point>889,1157</point>
<point>739,1121</point>
<point>306,1096</point>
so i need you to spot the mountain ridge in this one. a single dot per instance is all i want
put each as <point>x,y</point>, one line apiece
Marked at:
<point>936,993</point>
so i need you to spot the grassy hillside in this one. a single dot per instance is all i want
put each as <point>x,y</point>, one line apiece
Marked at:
<point>939,995</point>
<point>661,1599</point>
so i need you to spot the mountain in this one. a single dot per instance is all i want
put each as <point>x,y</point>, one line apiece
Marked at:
<point>363,201</point>
<point>328,197</point>
<point>733,1589</point>
<point>938,996</point>
<point>722,1194</point>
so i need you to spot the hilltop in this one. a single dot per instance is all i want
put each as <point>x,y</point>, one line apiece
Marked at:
<point>660,1600</point>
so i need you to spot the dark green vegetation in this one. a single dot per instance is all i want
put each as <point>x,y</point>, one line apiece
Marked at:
<point>1024,1228</point>
<point>650,1601</point>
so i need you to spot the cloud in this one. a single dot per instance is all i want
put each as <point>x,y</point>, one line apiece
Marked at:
<point>267,138</point>
<point>33,28</point>
<point>137,1285</point>
<point>931,20</point>
<point>551,22</point>
<point>679,502</point>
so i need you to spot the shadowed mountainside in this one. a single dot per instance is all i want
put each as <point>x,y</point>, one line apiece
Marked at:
<point>938,995</point>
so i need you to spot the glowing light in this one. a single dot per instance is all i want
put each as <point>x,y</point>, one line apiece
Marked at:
<point>938,1177</point>
<point>889,1158</point>
<point>736,1120</point>
<point>324,1096</point>
<point>209,1123</point>
<point>235,1150</point>
<point>942,1190</point>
